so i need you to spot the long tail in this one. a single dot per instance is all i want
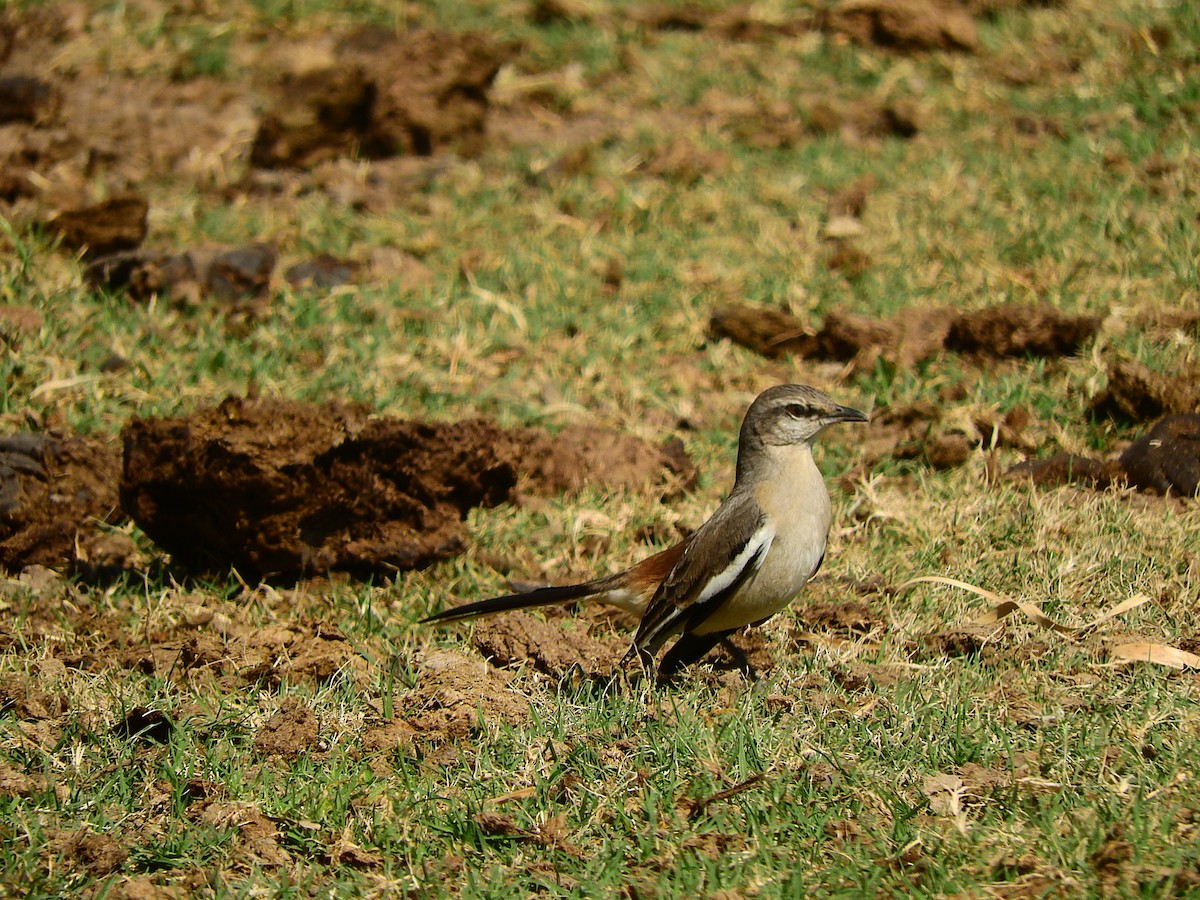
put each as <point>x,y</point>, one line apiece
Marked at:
<point>537,597</point>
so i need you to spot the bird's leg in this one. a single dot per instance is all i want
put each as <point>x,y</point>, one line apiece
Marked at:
<point>644,657</point>
<point>688,649</point>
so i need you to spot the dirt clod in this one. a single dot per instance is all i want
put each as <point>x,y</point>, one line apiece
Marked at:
<point>322,271</point>
<point>281,489</point>
<point>25,99</point>
<point>455,693</point>
<point>276,488</point>
<point>907,26</point>
<point>908,337</point>
<point>1013,329</point>
<point>422,93</point>
<point>556,647</point>
<point>580,455</point>
<point>1167,458</point>
<point>291,731</point>
<point>109,227</point>
<point>850,619</point>
<point>1137,393</point>
<point>1067,468</point>
<point>56,493</point>
<point>15,783</point>
<point>98,854</point>
<point>768,332</point>
<point>224,274</point>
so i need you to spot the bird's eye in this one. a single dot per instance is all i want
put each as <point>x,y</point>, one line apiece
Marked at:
<point>796,410</point>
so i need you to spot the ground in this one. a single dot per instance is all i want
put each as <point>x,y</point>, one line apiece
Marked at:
<point>316,318</point>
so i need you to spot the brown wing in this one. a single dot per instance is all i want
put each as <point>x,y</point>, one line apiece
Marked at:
<point>715,561</point>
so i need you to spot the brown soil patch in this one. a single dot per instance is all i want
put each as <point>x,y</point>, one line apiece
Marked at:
<point>257,842</point>
<point>17,322</point>
<point>968,640</point>
<point>919,432</point>
<point>114,225</point>
<point>1068,468</point>
<point>25,99</point>
<point>1017,330</point>
<point>906,25</point>
<point>1165,460</point>
<point>582,455</point>
<point>455,693</point>
<point>28,699</point>
<point>97,854</point>
<point>281,489</point>
<point>1137,393</point>
<point>119,132</point>
<point>57,490</point>
<point>556,647</point>
<point>908,337</point>
<point>187,278</point>
<point>849,619</point>
<point>291,731</point>
<point>322,271</point>
<point>421,93</point>
<point>14,783</point>
<point>857,678</point>
<point>275,488</point>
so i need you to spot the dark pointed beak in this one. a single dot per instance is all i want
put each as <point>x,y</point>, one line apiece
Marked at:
<point>848,414</point>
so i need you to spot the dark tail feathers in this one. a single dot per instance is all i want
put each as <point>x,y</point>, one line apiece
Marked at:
<point>537,597</point>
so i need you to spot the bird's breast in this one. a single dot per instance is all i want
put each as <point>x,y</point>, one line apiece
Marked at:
<point>797,508</point>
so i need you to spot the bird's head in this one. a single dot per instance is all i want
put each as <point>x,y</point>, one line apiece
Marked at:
<point>792,414</point>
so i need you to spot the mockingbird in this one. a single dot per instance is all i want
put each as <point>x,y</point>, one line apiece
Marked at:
<point>745,563</point>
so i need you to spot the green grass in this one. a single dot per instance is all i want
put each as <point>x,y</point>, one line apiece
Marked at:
<point>1075,774</point>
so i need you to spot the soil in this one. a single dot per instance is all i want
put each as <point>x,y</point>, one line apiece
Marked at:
<point>1164,460</point>
<point>924,433</point>
<point>291,731</point>
<point>280,490</point>
<point>455,692</point>
<point>229,275</point>
<point>1136,393</point>
<point>113,225</point>
<point>557,646</point>
<point>422,93</point>
<point>58,495</point>
<point>909,337</point>
<point>907,25</point>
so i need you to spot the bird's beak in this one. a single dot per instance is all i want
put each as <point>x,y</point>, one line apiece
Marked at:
<point>848,414</point>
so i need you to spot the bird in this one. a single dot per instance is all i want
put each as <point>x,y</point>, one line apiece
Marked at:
<point>747,562</point>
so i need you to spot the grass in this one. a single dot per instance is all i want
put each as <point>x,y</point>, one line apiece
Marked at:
<point>881,760</point>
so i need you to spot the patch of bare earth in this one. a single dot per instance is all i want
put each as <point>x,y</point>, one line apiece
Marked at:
<point>57,494</point>
<point>558,646</point>
<point>1136,393</point>
<point>455,693</point>
<point>909,337</point>
<point>290,732</point>
<point>280,490</point>
<point>385,95</point>
<point>284,489</point>
<point>1164,460</point>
